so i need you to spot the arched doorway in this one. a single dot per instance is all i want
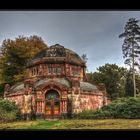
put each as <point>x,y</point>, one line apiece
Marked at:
<point>52,104</point>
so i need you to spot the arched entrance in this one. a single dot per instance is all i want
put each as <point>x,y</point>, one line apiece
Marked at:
<point>52,104</point>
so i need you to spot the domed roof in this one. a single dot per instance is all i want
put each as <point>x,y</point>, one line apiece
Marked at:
<point>61,81</point>
<point>17,87</point>
<point>57,53</point>
<point>84,86</point>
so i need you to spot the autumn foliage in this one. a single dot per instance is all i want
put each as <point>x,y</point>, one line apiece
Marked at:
<point>15,54</point>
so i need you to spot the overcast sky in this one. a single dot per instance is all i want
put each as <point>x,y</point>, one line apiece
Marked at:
<point>94,33</point>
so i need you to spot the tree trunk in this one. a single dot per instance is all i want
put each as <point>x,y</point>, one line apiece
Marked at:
<point>134,83</point>
<point>133,70</point>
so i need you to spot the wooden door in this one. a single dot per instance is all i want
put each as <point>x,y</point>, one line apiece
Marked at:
<point>52,107</point>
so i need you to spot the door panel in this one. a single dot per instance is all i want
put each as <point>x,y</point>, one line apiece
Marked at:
<point>52,106</point>
<point>56,107</point>
<point>48,108</point>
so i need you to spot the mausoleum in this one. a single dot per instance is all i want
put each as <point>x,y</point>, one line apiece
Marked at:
<point>56,85</point>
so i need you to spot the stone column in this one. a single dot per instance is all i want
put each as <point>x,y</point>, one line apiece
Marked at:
<point>64,106</point>
<point>76,100</point>
<point>6,89</point>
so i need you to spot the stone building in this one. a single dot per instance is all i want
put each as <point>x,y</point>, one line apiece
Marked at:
<point>55,85</point>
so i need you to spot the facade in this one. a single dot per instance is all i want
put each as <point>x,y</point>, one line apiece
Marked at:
<point>56,86</point>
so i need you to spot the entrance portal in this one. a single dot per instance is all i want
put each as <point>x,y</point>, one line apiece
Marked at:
<point>52,104</point>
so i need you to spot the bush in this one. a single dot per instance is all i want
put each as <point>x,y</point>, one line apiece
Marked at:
<point>125,108</point>
<point>87,114</point>
<point>8,111</point>
<point>1,90</point>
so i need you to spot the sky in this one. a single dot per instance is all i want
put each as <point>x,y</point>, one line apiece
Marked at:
<point>94,33</point>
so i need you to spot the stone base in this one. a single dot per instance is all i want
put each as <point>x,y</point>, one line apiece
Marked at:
<point>64,115</point>
<point>26,116</point>
<point>40,116</point>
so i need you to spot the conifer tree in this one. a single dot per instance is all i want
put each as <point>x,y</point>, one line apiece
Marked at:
<point>131,47</point>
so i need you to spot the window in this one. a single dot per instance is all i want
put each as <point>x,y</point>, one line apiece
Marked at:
<point>59,70</point>
<point>48,103</point>
<point>75,71</point>
<point>50,70</point>
<point>52,95</point>
<point>35,71</point>
<point>56,102</point>
<point>54,69</point>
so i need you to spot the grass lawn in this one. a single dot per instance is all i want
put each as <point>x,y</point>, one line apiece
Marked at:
<point>73,124</point>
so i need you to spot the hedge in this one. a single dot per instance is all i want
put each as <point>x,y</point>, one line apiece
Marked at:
<point>123,108</point>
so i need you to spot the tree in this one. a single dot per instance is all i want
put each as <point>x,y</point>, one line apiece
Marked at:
<point>129,87</point>
<point>15,54</point>
<point>84,58</point>
<point>130,47</point>
<point>113,77</point>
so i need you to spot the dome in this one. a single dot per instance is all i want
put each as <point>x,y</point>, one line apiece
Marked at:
<point>17,87</point>
<point>61,81</point>
<point>57,54</point>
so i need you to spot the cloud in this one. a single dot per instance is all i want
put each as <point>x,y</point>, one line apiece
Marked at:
<point>92,32</point>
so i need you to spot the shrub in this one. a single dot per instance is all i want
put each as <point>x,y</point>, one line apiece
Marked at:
<point>127,108</point>
<point>8,111</point>
<point>87,114</point>
<point>1,90</point>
